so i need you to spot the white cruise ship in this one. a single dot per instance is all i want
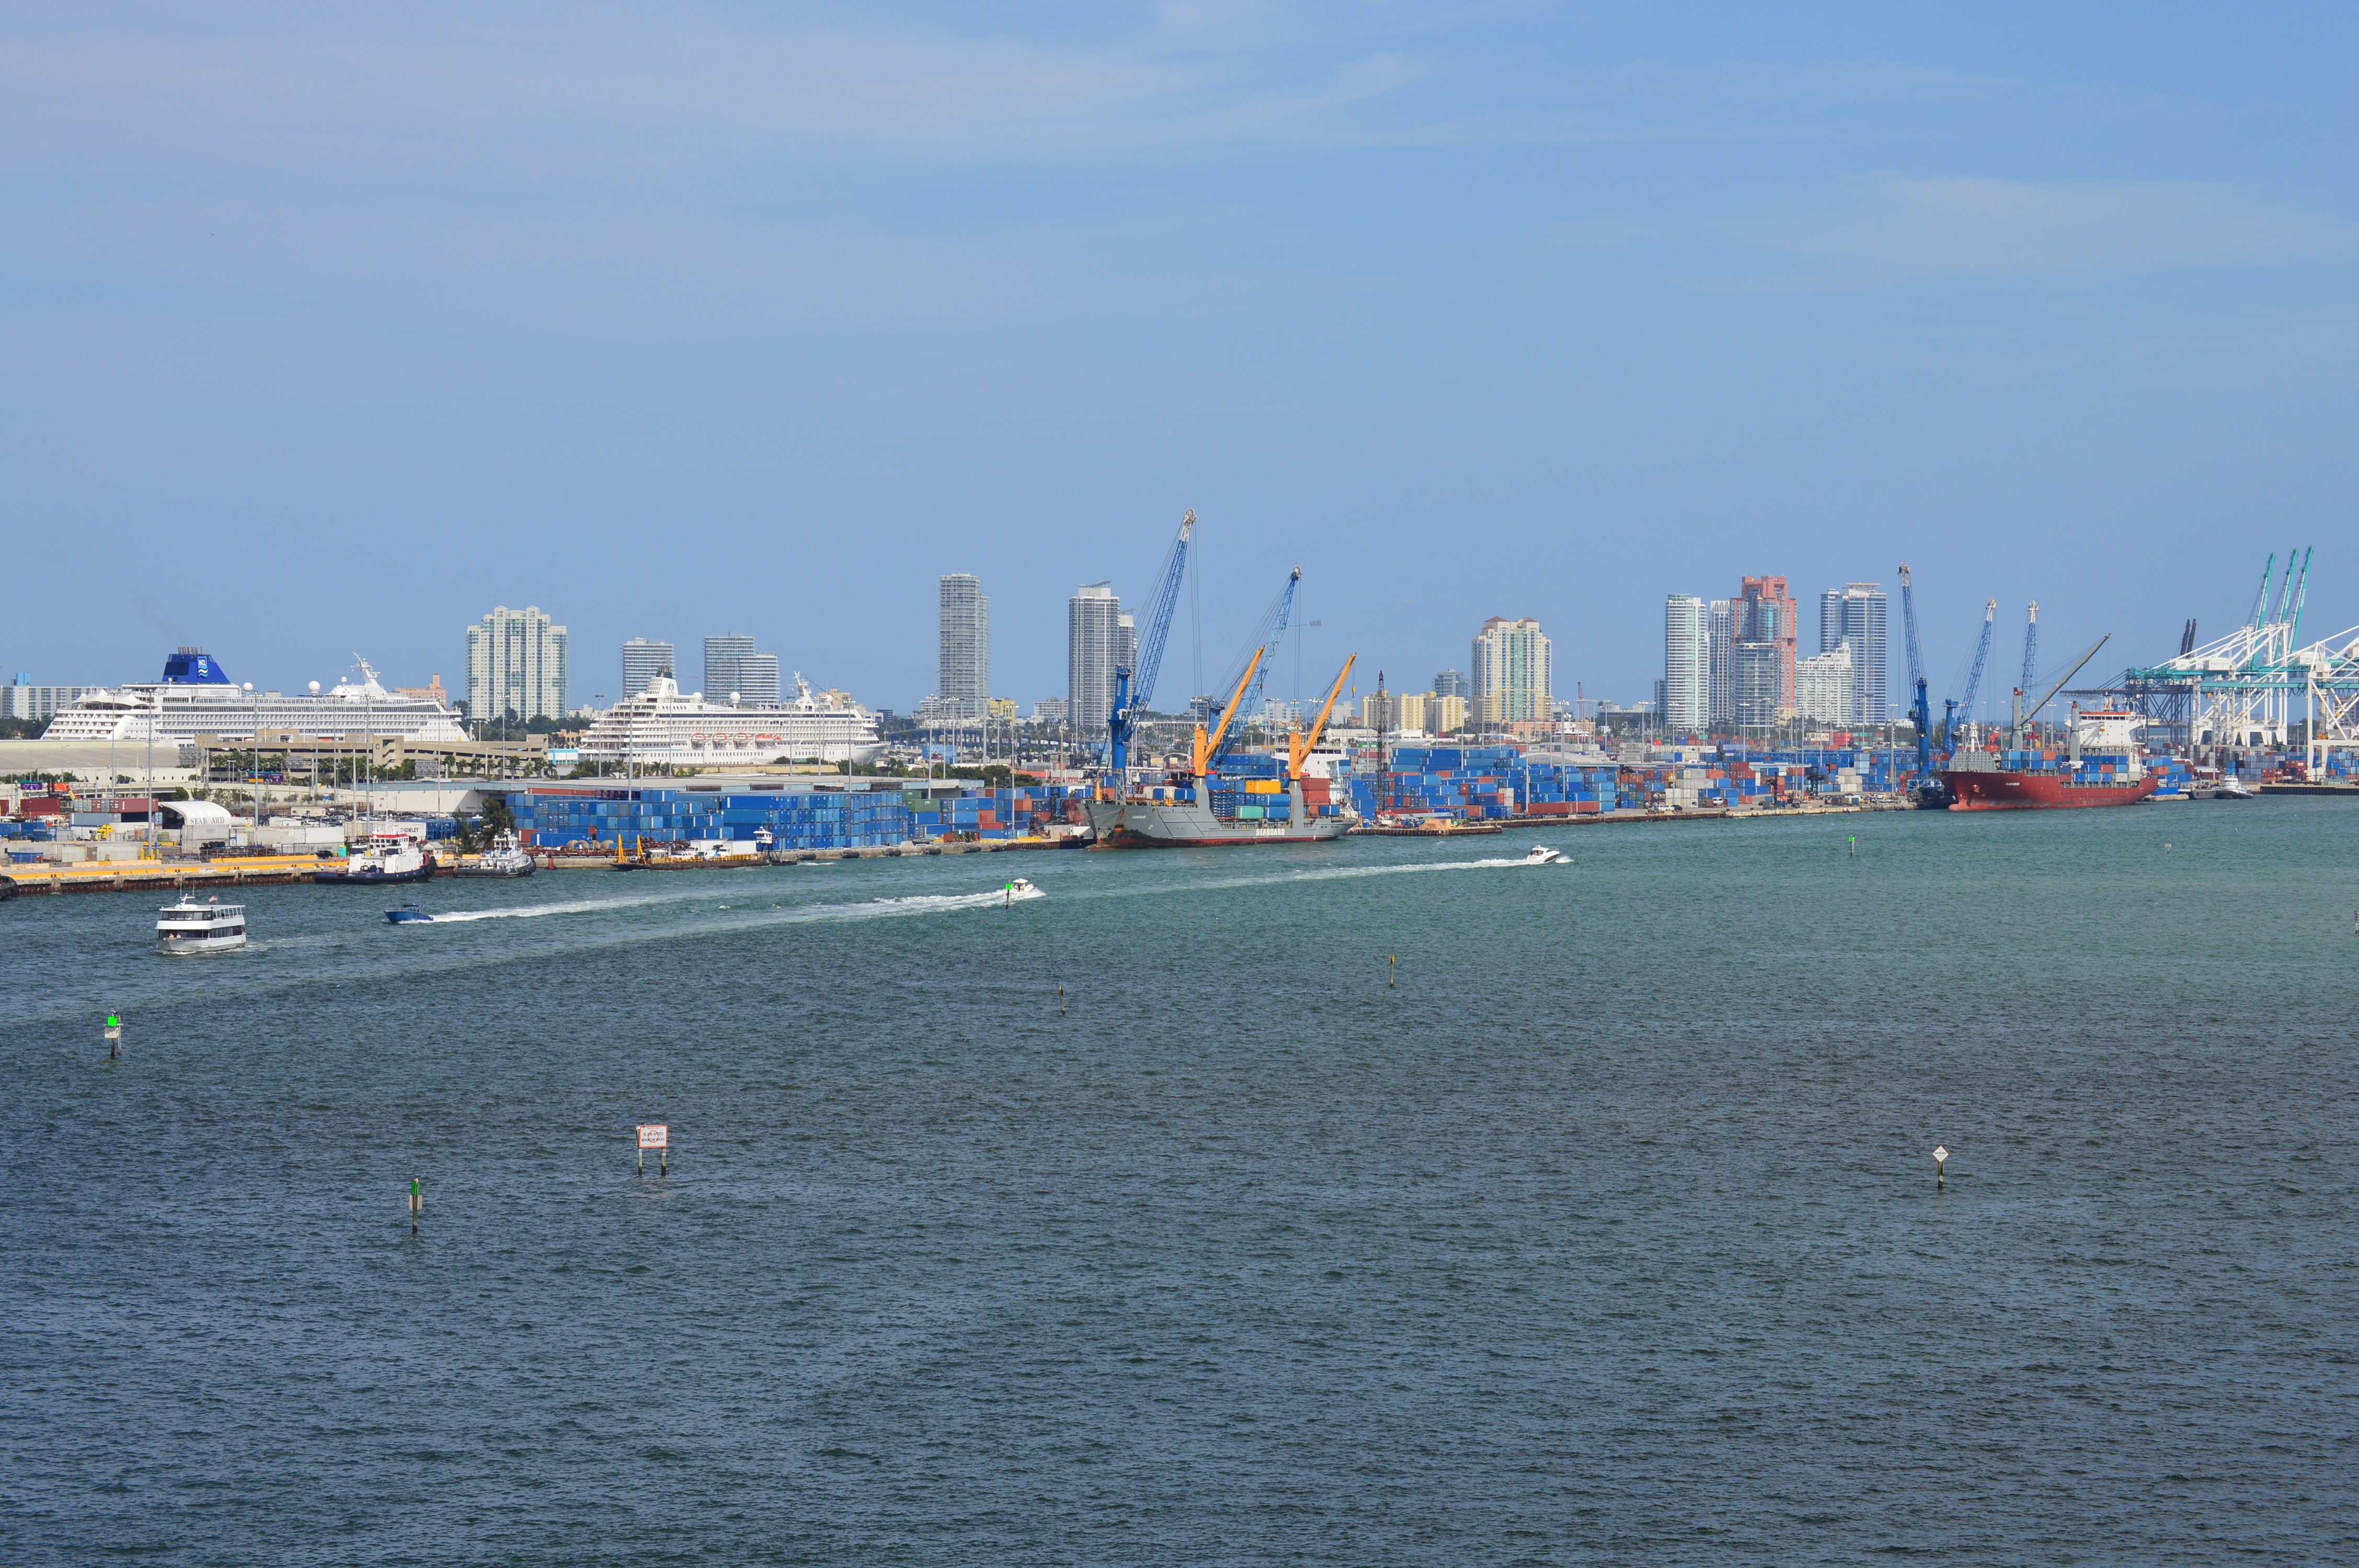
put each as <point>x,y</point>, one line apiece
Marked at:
<point>196,699</point>
<point>660,725</point>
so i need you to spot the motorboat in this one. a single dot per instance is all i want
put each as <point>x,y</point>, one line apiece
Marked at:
<point>388,858</point>
<point>408,914</point>
<point>2230,787</point>
<point>506,858</point>
<point>188,927</point>
<point>1541,855</point>
<point>1020,887</point>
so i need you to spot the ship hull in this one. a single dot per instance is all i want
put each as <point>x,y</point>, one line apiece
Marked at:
<point>372,877</point>
<point>2037,792</point>
<point>1182,825</point>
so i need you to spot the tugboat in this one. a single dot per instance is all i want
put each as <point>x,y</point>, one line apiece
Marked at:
<point>506,858</point>
<point>188,927</point>
<point>389,858</point>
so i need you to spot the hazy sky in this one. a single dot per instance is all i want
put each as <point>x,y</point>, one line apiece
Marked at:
<point>328,328</point>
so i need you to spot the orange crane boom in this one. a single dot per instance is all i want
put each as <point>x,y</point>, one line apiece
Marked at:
<point>1300,746</point>
<point>1206,751</point>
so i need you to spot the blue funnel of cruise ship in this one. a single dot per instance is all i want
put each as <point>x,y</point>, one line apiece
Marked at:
<point>193,666</point>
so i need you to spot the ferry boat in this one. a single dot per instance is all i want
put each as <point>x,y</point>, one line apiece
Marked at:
<point>188,927</point>
<point>390,857</point>
<point>197,697</point>
<point>506,858</point>
<point>662,725</point>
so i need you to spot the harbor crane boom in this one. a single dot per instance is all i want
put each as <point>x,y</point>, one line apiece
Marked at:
<point>1973,684</point>
<point>1267,641</point>
<point>1133,696</point>
<point>2030,652</point>
<point>1920,710</point>
<point>1208,751</point>
<point>2057,684</point>
<point>1299,746</point>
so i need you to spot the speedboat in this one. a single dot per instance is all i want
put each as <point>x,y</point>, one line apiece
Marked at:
<point>188,927</point>
<point>1020,887</point>
<point>408,914</point>
<point>2233,788</point>
<point>1541,855</point>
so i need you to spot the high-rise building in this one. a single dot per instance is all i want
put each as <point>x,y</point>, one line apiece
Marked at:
<point>963,662</point>
<point>1125,643</point>
<point>1721,698</point>
<point>758,680</point>
<point>721,657</point>
<point>26,700</point>
<point>516,667</point>
<point>1825,689</point>
<point>1765,612</point>
<point>1093,645</point>
<point>1453,683</point>
<point>1853,614</point>
<point>1760,682</point>
<point>1685,705</point>
<point>1513,675</point>
<point>1380,712</point>
<point>645,658</point>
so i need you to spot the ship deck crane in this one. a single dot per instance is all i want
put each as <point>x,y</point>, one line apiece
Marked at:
<point>1247,699</point>
<point>1208,749</point>
<point>1131,697</point>
<point>1300,745</point>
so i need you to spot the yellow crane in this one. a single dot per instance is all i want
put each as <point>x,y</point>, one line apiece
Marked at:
<point>1300,745</point>
<point>1207,750</point>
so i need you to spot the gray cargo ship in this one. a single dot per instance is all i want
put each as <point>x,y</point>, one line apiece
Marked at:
<point>1143,822</point>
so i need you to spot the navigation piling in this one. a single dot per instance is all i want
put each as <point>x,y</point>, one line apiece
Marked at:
<point>113,1037</point>
<point>416,1202</point>
<point>1060,1001</point>
<point>1941,1166</point>
<point>1392,967</point>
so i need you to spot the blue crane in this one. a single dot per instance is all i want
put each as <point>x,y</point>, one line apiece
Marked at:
<point>1973,684</point>
<point>2030,664</point>
<point>1920,710</point>
<point>1271,634</point>
<point>1131,699</point>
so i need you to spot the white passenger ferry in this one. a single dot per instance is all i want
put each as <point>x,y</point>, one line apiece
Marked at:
<point>188,927</point>
<point>662,725</point>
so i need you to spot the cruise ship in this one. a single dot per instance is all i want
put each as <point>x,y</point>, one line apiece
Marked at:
<point>661,724</point>
<point>196,697</point>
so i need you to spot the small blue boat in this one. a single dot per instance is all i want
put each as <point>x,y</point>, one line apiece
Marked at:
<point>408,914</point>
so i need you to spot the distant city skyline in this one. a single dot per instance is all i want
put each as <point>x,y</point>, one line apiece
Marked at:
<point>1538,292</point>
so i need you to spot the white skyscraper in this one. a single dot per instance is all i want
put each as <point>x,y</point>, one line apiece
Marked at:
<point>644,658</point>
<point>1824,687</point>
<point>964,664</point>
<point>1722,631</point>
<point>758,680</point>
<point>1853,614</point>
<point>1687,664</point>
<point>1094,644</point>
<point>516,667</point>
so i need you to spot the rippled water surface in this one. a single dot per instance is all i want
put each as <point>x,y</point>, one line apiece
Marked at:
<point>1598,1226</point>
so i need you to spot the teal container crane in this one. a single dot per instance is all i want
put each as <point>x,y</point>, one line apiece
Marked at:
<point>1132,699</point>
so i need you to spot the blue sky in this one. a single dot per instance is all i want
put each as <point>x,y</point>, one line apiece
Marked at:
<point>327,329</point>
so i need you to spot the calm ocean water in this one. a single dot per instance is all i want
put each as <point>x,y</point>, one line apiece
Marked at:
<point>1606,1233</point>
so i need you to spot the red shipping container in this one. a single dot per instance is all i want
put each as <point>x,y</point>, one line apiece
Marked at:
<point>1582,807</point>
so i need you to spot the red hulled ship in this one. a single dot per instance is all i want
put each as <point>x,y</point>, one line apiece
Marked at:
<point>2104,768</point>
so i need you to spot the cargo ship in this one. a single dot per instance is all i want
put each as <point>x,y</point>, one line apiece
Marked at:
<point>1177,817</point>
<point>2103,767</point>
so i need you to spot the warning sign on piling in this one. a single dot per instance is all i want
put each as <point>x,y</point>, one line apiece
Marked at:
<point>654,1135</point>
